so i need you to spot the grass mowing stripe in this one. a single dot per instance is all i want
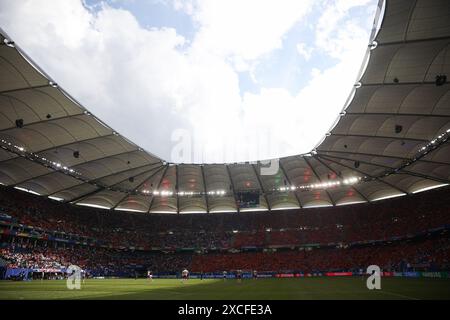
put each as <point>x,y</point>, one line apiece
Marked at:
<point>398,295</point>
<point>261,289</point>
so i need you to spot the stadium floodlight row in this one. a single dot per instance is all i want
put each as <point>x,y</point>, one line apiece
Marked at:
<point>53,146</point>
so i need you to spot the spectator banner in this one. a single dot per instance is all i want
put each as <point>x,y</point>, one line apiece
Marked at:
<point>338,274</point>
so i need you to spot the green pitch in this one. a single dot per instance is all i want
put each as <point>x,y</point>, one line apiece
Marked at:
<point>307,288</point>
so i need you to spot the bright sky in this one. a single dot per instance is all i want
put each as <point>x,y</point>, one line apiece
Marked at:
<point>222,81</point>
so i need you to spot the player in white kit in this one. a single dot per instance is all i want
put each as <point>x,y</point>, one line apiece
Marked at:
<point>184,275</point>
<point>150,275</point>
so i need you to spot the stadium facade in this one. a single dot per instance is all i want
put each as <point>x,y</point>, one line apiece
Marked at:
<point>389,140</point>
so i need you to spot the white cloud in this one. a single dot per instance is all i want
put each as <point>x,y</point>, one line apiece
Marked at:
<point>184,5</point>
<point>304,51</point>
<point>243,30</point>
<point>335,27</point>
<point>148,83</point>
<point>136,80</point>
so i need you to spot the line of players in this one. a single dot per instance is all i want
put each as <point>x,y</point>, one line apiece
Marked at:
<point>185,275</point>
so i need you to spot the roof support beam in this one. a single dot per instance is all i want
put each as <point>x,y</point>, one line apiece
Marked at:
<point>391,168</point>
<point>157,187</point>
<point>262,187</point>
<point>138,186</point>
<point>412,83</point>
<point>127,178</point>
<point>385,44</point>
<point>365,173</point>
<point>205,189</point>
<point>74,167</point>
<point>362,161</point>
<point>340,176</point>
<point>25,88</point>
<point>126,170</point>
<point>83,196</point>
<point>41,121</point>
<point>101,188</point>
<point>318,178</point>
<point>289,181</point>
<point>75,142</point>
<point>378,137</point>
<point>410,15</point>
<point>423,176</point>
<point>92,182</point>
<point>233,189</point>
<point>396,114</point>
<point>321,152</point>
<point>64,145</point>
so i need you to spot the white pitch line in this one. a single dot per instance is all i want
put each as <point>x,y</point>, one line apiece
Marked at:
<point>398,295</point>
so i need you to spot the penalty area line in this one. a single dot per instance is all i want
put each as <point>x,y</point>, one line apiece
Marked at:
<point>398,295</point>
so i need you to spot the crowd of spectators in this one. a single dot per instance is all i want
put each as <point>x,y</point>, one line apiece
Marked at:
<point>404,217</point>
<point>431,254</point>
<point>374,221</point>
<point>99,261</point>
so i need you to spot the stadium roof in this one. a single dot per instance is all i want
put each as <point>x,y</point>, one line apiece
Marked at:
<point>389,140</point>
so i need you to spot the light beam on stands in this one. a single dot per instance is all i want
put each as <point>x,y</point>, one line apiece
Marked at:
<point>317,206</point>
<point>253,209</point>
<point>430,188</point>
<point>56,198</point>
<point>192,212</point>
<point>285,208</point>
<point>223,211</point>
<point>348,203</point>
<point>163,212</point>
<point>389,197</point>
<point>92,205</point>
<point>21,151</point>
<point>27,190</point>
<point>131,210</point>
